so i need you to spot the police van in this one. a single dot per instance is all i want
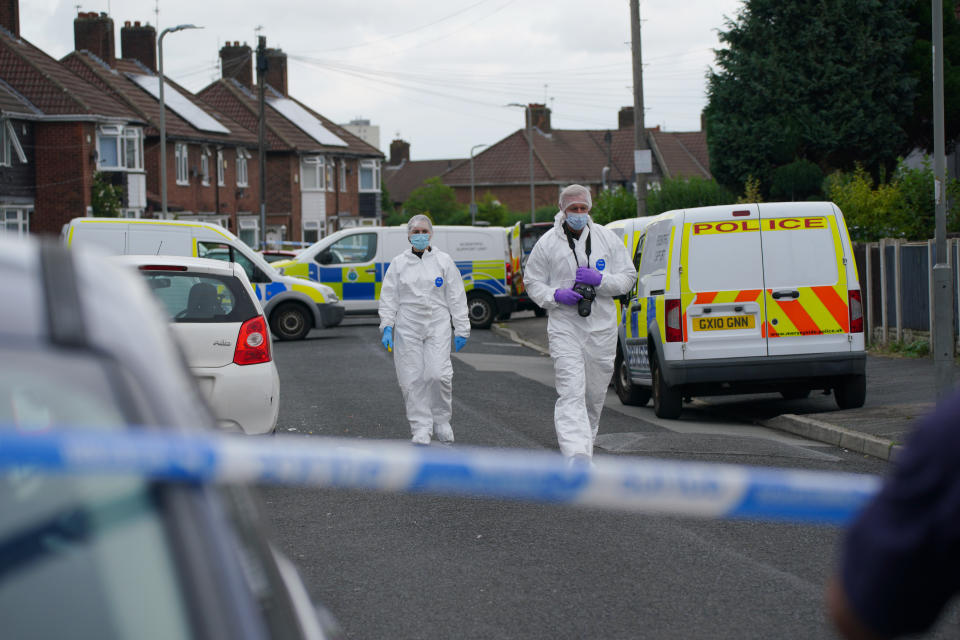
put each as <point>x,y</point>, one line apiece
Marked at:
<point>293,306</point>
<point>353,262</point>
<point>740,299</point>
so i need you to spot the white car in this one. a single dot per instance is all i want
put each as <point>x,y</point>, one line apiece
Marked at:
<point>222,331</point>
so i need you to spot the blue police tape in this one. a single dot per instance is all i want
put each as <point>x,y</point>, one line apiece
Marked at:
<point>615,482</point>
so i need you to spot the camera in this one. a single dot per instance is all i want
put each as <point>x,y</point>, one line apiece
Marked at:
<point>586,302</point>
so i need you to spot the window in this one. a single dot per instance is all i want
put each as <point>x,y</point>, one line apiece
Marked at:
<point>10,145</point>
<point>183,167</point>
<point>242,156</point>
<point>312,173</point>
<point>205,166</point>
<point>221,167</point>
<point>119,147</point>
<point>343,175</point>
<point>15,220</point>
<point>249,231</point>
<point>369,175</point>
<point>357,247</point>
<point>311,231</point>
<point>331,185</point>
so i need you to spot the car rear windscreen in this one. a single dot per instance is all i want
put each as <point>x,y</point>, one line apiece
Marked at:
<point>201,297</point>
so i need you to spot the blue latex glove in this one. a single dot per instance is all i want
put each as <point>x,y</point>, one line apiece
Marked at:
<point>589,275</point>
<point>387,340</point>
<point>458,342</point>
<point>566,296</point>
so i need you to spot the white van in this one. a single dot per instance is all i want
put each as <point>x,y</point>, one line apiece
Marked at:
<point>354,261</point>
<point>739,299</point>
<point>292,306</point>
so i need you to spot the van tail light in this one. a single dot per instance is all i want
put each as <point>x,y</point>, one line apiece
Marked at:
<point>509,273</point>
<point>672,312</point>
<point>856,311</point>
<point>253,343</point>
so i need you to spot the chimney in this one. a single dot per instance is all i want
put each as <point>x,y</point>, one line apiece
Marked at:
<point>10,16</point>
<point>94,33</point>
<point>139,43</point>
<point>541,116</point>
<point>625,118</point>
<point>399,152</point>
<point>276,75</point>
<point>236,61</point>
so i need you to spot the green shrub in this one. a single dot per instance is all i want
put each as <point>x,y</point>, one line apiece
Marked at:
<point>682,193</point>
<point>613,204</point>
<point>799,180</point>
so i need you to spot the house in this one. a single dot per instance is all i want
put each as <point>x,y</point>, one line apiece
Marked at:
<point>402,175</point>
<point>58,130</point>
<point>320,177</point>
<point>211,163</point>
<point>594,158</point>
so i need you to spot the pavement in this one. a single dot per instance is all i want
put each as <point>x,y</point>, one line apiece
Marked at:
<point>899,392</point>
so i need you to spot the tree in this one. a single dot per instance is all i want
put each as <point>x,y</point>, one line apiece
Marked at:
<point>799,180</point>
<point>438,200</point>
<point>613,204</point>
<point>106,199</point>
<point>682,193</point>
<point>821,80</point>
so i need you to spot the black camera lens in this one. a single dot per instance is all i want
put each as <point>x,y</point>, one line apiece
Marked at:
<point>585,304</point>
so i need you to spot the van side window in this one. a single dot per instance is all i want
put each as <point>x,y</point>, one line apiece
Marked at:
<point>656,242</point>
<point>639,254</point>
<point>358,247</point>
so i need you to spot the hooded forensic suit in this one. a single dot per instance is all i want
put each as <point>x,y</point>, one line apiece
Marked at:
<point>418,298</point>
<point>582,348</point>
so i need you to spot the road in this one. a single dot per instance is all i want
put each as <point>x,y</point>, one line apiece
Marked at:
<point>432,567</point>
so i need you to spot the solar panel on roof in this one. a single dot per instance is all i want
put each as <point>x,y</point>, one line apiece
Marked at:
<point>306,121</point>
<point>179,104</point>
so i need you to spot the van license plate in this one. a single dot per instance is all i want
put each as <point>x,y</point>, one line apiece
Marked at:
<point>724,323</point>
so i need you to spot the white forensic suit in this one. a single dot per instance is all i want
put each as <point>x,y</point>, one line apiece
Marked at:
<point>418,298</point>
<point>583,348</point>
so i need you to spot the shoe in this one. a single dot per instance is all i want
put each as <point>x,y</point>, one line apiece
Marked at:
<point>444,432</point>
<point>579,461</point>
<point>422,439</point>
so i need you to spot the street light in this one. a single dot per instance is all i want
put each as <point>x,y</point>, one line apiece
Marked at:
<point>473,201</point>
<point>163,117</point>
<point>530,144</point>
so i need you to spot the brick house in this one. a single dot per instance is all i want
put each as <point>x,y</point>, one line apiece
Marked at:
<point>320,177</point>
<point>56,130</point>
<point>211,159</point>
<point>594,158</point>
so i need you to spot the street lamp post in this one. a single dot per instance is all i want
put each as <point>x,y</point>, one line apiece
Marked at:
<point>163,117</point>
<point>530,144</point>
<point>473,200</point>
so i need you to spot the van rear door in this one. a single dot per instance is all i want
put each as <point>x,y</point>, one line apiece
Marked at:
<point>806,278</point>
<point>722,283</point>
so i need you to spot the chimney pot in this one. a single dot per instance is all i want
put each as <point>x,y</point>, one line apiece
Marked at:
<point>126,23</point>
<point>137,23</point>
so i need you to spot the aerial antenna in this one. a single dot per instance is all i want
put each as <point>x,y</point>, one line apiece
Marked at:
<point>156,13</point>
<point>545,93</point>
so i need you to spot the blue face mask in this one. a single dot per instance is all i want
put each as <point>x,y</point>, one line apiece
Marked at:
<point>577,221</point>
<point>420,241</point>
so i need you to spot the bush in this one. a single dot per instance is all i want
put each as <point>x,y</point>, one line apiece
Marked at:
<point>799,180</point>
<point>106,199</point>
<point>682,193</point>
<point>437,199</point>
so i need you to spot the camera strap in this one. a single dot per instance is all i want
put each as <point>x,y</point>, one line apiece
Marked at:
<point>574,248</point>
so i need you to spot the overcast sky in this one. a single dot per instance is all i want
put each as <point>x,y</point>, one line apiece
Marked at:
<point>438,73</point>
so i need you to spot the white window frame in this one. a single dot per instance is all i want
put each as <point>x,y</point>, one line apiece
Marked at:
<point>372,166</point>
<point>314,166</point>
<point>311,225</point>
<point>343,175</point>
<point>247,224</point>
<point>10,145</point>
<point>181,152</point>
<point>18,216</point>
<point>221,169</point>
<point>331,185</point>
<point>205,166</point>
<point>243,175</point>
<point>121,139</point>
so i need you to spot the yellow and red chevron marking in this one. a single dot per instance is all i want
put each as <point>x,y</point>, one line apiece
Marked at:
<point>818,311</point>
<point>718,297</point>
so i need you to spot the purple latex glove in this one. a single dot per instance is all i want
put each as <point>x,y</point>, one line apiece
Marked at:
<point>589,275</point>
<point>566,296</point>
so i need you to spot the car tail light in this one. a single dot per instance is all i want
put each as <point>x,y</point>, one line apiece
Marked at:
<point>856,311</point>
<point>672,312</point>
<point>509,273</point>
<point>253,343</point>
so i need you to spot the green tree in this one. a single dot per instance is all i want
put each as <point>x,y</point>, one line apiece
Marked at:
<point>614,204</point>
<point>489,209</point>
<point>386,202</point>
<point>799,180</point>
<point>681,193</point>
<point>821,80</point>
<point>437,199</point>
<point>106,199</point>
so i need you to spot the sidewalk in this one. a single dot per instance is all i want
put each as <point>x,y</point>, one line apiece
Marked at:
<point>899,391</point>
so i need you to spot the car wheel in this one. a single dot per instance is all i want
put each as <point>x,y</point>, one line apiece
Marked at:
<point>290,321</point>
<point>794,393</point>
<point>481,310</point>
<point>628,392</point>
<point>539,312</point>
<point>851,392</point>
<point>667,400</point>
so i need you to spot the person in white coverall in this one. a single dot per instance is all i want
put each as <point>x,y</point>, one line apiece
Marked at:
<point>421,292</point>
<point>578,252</point>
